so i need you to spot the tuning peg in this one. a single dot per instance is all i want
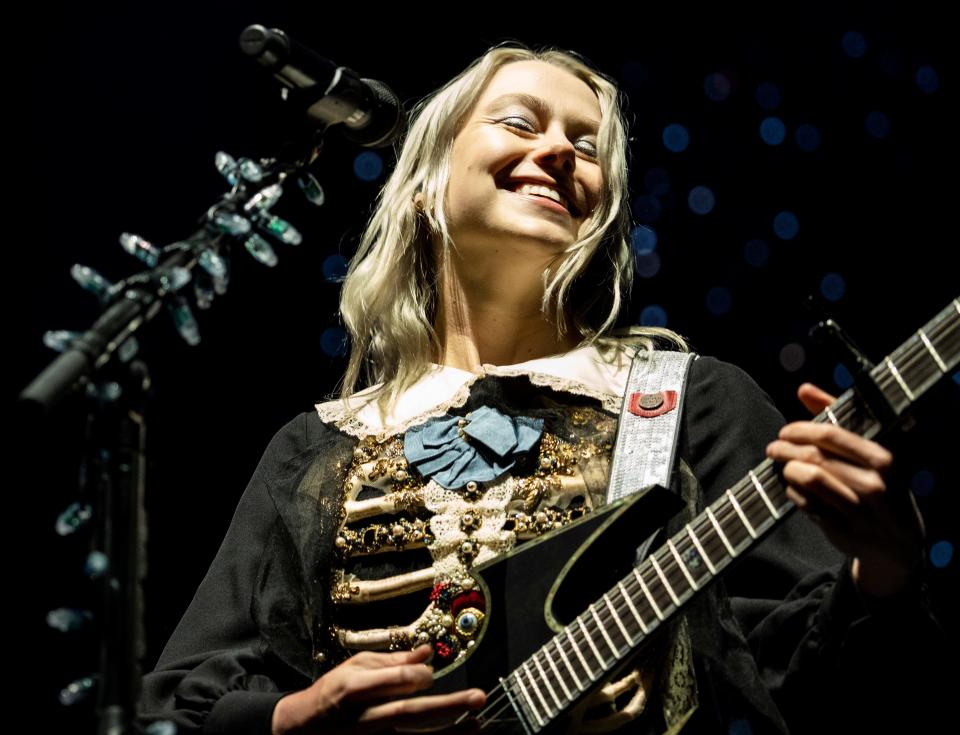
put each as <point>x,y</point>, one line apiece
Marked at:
<point>218,268</point>
<point>75,517</point>
<point>250,170</point>
<point>67,619</point>
<point>229,222</point>
<point>227,167</point>
<point>175,278</point>
<point>183,319</point>
<point>311,189</point>
<point>92,281</point>
<point>282,230</point>
<point>202,295</point>
<point>161,727</point>
<point>59,340</point>
<point>261,250</point>
<point>140,248</point>
<point>77,691</point>
<point>264,199</point>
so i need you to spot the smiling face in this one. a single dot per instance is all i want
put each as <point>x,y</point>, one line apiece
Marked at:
<point>524,174</point>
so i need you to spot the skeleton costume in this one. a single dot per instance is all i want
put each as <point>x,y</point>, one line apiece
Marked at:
<point>357,533</point>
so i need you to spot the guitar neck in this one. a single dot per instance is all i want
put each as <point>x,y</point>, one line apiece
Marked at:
<point>612,628</point>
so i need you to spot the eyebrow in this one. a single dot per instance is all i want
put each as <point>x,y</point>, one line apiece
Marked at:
<point>540,107</point>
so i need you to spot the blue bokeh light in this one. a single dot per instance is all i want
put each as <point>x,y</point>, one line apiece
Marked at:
<point>653,315</point>
<point>333,341</point>
<point>643,239</point>
<point>941,554</point>
<point>922,483</point>
<point>927,79</point>
<point>646,208</point>
<point>717,86</point>
<point>740,727</point>
<point>792,357</point>
<point>756,252</point>
<point>368,165</point>
<point>786,225</point>
<point>657,181</point>
<point>334,268</point>
<point>956,378</point>
<point>854,44</point>
<point>773,131</point>
<point>807,137</point>
<point>768,95</point>
<point>841,376</point>
<point>647,264</point>
<point>719,300</point>
<point>676,137</point>
<point>701,200</point>
<point>833,286</point>
<point>877,124</point>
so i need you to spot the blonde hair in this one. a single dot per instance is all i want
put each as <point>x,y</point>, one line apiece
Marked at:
<point>389,296</point>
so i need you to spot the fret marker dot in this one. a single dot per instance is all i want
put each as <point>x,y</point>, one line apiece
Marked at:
<point>941,553</point>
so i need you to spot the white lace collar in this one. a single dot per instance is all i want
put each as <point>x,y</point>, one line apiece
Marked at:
<point>597,372</point>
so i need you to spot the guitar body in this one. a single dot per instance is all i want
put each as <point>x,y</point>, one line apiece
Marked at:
<point>534,590</point>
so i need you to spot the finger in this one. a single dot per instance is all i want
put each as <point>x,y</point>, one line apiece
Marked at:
<point>389,682</point>
<point>813,398</point>
<point>839,442</point>
<point>436,709</point>
<point>865,482</point>
<point>378,660</point>
<point>810,479</point>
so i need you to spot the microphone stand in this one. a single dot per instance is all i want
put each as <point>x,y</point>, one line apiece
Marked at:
<point>101,362</point>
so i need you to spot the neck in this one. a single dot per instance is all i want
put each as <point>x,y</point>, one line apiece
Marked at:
<point>486,316</point>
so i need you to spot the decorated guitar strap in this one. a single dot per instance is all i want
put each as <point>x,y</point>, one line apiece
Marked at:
<point>649,426</point>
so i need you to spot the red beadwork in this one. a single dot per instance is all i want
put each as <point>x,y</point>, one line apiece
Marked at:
<point>468,599</point>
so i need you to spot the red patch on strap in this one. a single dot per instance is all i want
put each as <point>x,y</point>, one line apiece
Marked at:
<point>657,403</point>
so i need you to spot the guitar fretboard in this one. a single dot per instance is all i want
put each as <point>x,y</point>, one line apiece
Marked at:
<point>613,627</point>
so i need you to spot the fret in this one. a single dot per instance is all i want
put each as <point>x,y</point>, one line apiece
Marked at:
<point>720,533</point>
<point>546,681</point>
<point>743,517</point>
<point>590,643</point>
<point>682,566</point>
<point>566,662</point>
<point>633,610</point>
<point>703,554</point>
<point>556,672</point>
<point>903,385</point>
<point>933,353</point>
<point>603,632</point>
<point>763,494</point>
<point>663,578</point>
<point>536,689</point>
<point>619,622</point>
<point>643,586</point>
<point>576,650</point>
<point>831,416</point>
<point>527,702</point>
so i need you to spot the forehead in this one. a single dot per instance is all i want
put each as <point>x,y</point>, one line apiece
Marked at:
<point>563,92</point>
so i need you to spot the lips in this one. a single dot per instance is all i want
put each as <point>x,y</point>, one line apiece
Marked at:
<point>568,206</point>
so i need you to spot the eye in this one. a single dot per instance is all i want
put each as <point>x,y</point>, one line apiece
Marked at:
<point>525,124</point>
<point>590,149</point>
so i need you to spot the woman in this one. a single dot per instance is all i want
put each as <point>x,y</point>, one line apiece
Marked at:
<point>481,303</point>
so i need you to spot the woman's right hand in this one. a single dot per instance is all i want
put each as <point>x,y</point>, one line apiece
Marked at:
<point>360,695</point>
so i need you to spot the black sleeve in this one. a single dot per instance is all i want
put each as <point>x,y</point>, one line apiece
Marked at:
<point>213,675</point>
<point>818,644</point>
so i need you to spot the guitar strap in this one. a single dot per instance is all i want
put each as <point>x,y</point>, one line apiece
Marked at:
<point>649,427</point>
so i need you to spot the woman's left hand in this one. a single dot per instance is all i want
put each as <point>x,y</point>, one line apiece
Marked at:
<point>838,479</point>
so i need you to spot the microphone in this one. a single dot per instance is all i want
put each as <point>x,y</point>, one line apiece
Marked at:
<point>331,94</point>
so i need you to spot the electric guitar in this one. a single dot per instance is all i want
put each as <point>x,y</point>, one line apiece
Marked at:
<point>535,669</point>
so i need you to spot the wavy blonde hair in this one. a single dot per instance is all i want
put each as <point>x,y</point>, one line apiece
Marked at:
<point>389,296</point>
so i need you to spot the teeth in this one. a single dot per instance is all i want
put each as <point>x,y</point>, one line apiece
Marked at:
<point>544,191</point>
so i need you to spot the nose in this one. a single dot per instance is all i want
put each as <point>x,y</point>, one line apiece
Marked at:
<point>556,151</point>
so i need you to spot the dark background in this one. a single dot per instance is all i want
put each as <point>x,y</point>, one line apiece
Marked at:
<point>126,107</point>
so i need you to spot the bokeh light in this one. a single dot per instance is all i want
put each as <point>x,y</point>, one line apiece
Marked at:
<point>927,79</point>
<point>841,376</point>
<point>719,300</point>
<point>833,286</point>
<point>768,95</point>
<point>877,125</point>
<point>333,341</point>
<point>854,44</point>
<point>643,239</point>
<point>334,268</point>
<point>647,264</point>
<point>941,554</point>
<point>786,225</point>
<point>653,315</point>
<point>773,131</point>
<point>368,166</point>
<point>717,86</point>
<point>807,137</point>
<point>792,357</point>
<point>701,200</point>
<point>676,138</point>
